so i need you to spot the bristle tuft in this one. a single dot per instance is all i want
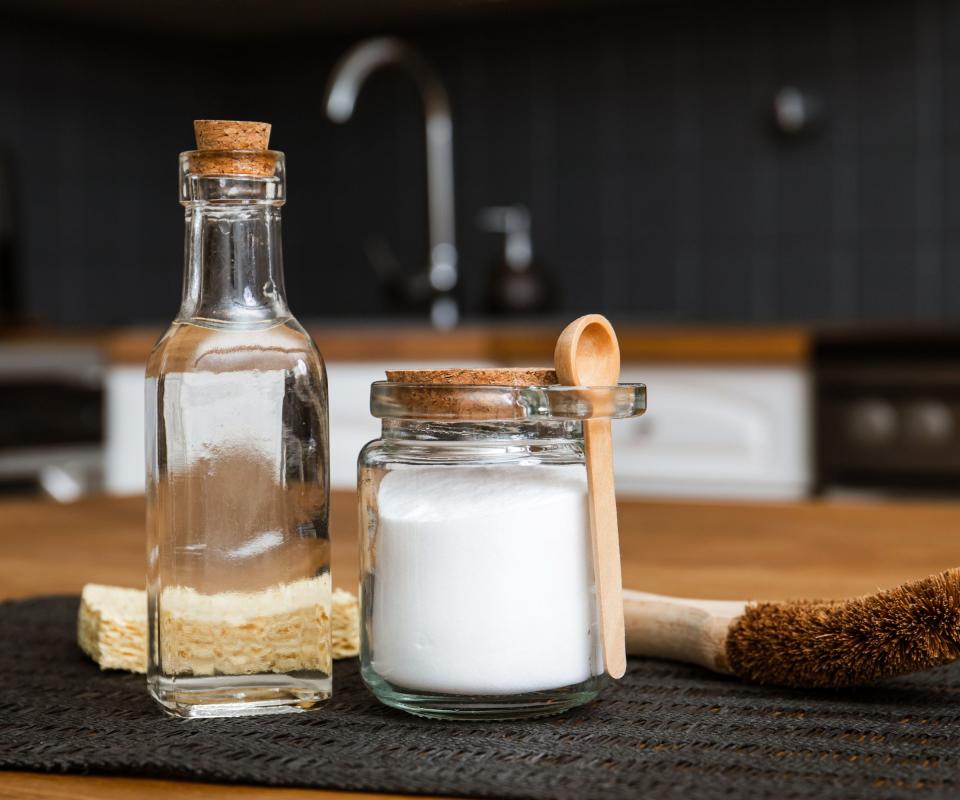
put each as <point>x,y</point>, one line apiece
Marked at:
<point>815,644</point>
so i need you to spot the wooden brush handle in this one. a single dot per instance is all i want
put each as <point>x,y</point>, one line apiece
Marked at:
<point>679,628</point>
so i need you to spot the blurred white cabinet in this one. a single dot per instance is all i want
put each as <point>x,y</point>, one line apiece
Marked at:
<point>351,425</point>
<point>725,431</point>
<point>125,461</point>
<point>709,432</point>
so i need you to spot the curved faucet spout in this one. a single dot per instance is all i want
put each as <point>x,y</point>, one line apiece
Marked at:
<point>348,77</point>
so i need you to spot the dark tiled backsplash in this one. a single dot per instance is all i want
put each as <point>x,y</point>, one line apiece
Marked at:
<point>641,140</point>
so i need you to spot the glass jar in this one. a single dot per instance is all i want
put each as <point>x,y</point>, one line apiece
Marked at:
<point>238,579</point>
<point>477,585</point>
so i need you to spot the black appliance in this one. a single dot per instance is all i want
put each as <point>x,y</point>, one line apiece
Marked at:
<point>887,409</point>
<point>51,416</point>
<point>11,310</point>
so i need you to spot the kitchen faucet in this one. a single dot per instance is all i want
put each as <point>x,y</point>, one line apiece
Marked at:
<point>347,78</point>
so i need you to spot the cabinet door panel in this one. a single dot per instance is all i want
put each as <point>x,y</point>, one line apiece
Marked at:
<point>717,431</point>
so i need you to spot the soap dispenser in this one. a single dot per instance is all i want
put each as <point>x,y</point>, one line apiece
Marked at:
<point>518,285</point>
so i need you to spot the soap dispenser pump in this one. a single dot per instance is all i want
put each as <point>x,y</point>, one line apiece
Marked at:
<point>518,284</point>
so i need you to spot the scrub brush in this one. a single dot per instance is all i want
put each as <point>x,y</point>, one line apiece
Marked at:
<point>804,644</point>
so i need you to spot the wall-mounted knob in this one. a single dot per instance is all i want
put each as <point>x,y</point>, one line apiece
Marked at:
<point>873,422</point>
<point>929,422</point>
<point>796,111</point>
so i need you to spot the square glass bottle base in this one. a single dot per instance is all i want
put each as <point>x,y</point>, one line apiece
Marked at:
<point>482,707</point>
<point>240,695</point>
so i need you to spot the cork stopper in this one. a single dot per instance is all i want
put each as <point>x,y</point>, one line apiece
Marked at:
<point>433,395</point>
<point>229,147</point>
<point>225,134</point>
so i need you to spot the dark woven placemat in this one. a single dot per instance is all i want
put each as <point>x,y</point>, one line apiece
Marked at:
<point>664,731</point>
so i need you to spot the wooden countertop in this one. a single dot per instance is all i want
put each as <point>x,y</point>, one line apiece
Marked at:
<point>510,343</point>
<point>722,550</point>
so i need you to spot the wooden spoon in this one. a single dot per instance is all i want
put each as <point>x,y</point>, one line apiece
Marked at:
<point>587,354</point>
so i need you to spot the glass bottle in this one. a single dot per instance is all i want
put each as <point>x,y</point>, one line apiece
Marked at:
<point>477,593</point>
<point>237,457</point>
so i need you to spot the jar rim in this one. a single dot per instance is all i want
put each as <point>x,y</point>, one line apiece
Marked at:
<point>467,402</point>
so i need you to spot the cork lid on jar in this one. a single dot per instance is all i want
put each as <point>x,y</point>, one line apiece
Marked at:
<point>457,393</point>
<point>498,393</point>
<point>232,147</point>
<point>483,376</point>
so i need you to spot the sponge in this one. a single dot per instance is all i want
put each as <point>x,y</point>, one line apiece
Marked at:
<point>112,630</point>
<point>112,626</point>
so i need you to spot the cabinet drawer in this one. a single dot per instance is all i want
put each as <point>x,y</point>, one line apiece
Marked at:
<point>717,432</point>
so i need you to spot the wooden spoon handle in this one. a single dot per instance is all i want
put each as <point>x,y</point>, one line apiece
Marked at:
<point>605,543</point>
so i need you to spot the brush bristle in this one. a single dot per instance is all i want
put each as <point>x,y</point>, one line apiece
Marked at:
<point>815,644</point>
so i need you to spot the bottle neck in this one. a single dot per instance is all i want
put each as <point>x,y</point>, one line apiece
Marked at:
<point>233,270</point>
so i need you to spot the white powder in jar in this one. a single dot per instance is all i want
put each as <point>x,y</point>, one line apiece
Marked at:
<point>483,580</point>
